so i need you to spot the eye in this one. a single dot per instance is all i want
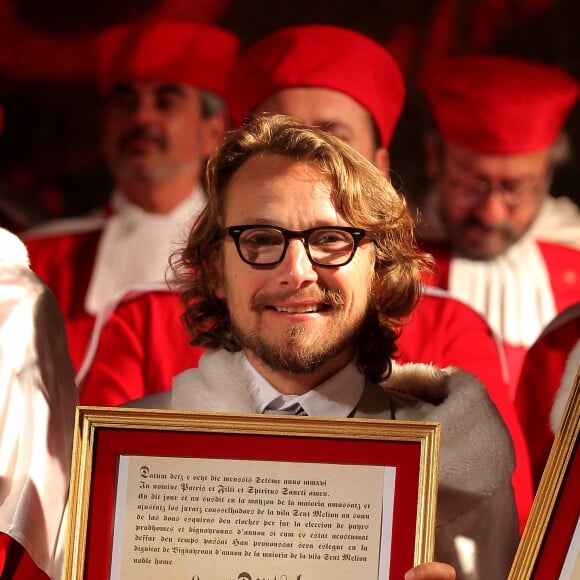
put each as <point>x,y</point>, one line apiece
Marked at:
<point>122,103</point>
<point>516,185</point>
<point>262,237</point>
<point>341,134</point>
<point>477,186</point>
<point>339,130</point>
<point>168,101</point>
<point>330,238</point>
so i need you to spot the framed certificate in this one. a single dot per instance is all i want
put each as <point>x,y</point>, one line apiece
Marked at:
<point>203,496</point>
<point>550,544</point>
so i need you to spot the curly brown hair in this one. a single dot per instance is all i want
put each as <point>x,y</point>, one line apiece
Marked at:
<point>360,193</point>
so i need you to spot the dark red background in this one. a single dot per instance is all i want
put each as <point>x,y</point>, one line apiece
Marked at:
<point>49,151</point>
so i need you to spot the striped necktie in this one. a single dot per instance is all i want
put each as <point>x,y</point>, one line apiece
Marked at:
<point>294,410</point>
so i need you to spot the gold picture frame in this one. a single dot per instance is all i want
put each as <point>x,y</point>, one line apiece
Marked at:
<point>551,532</point>
<point>117,451</point>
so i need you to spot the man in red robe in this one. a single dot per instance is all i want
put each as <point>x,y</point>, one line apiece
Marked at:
<point>502,243</point>
<point>162,85</point>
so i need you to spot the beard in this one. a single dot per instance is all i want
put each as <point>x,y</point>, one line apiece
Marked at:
<point>298,351</point>
<point>492,241</point>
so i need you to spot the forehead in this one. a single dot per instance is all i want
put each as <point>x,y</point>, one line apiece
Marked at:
<point>515,164</point>
<point>317,106</point>
<point>151,88</point>
<point>276,188</point>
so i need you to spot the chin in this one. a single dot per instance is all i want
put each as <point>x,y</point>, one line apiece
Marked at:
<point>481,253</point>
<point>481,248</point>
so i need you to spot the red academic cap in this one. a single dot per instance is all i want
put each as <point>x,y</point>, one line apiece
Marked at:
<point>320,56</point>
<point>196,54</point>
<point>499,104</point>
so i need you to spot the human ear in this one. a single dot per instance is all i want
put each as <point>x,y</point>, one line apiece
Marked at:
<point>381,159</point>
<point>433,154</point>
<point>217,279</point>
<point>211,133</point>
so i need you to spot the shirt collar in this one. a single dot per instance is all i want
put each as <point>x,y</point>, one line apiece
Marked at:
<point>336,397</point>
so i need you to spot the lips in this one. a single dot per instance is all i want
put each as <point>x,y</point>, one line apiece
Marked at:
<point>139,144</point>
<point>299,303</point>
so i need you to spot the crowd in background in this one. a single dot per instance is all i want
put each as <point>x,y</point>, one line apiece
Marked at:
<point>49,155</point>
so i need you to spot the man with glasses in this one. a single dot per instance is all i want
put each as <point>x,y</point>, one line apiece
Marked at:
<point>295,278</point>
<point>502,244</point>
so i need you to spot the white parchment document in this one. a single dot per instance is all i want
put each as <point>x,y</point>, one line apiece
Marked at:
<point>210,519</point>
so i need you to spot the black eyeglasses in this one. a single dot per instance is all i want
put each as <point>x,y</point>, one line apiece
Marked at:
<point>515,193</point>
<point>329,247</point>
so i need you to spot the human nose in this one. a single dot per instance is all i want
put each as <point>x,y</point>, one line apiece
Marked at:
<point>144,111</point>
<point>296,269</point>
<point>493,209</point>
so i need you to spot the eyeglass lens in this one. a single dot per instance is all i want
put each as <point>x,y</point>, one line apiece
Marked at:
<point>325,246</point>
<point>513,192</point>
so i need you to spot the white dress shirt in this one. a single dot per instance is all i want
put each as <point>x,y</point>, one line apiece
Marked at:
<point>136,245</point>
<point>335,397</point>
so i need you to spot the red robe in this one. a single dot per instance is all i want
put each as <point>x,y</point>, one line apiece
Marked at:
<point>16,563</point>
<point>143,345</point>
<point>539,382</point>
<point>65,263</point>
<point>562,264</point>
<point>88,261</point>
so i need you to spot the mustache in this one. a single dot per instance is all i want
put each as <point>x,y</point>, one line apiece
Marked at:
<point>142,132</point>
<point>474,222</point>
<point>332,298</point>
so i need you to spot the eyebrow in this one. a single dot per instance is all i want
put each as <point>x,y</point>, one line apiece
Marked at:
<point>120,90</point>
<point>267,222</point>
<point>171,89</point>
<point>123,89</point>
<point>476,174</point>
<point>334,124</point>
